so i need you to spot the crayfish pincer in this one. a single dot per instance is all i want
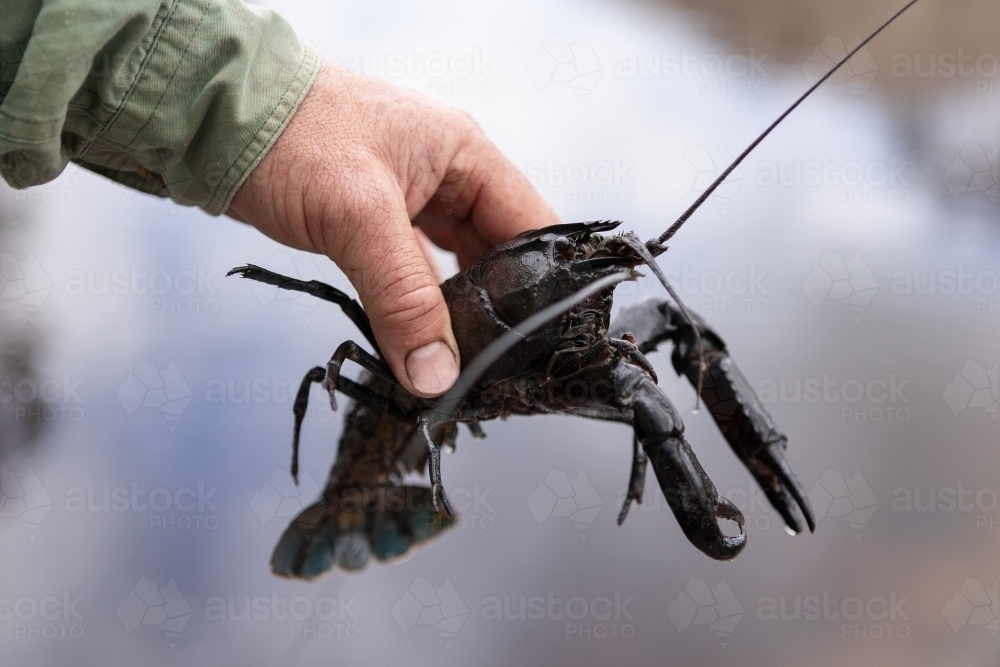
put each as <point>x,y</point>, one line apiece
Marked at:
<point>532,318</point>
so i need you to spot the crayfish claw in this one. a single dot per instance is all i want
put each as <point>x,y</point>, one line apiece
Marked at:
<point>725,509</point>
<point>782,486</point>
<point>694,501</point>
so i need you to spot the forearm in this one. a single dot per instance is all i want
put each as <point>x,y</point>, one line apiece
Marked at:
<point>179,98</point>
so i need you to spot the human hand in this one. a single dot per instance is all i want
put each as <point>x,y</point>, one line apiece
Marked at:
<point>360,164</point>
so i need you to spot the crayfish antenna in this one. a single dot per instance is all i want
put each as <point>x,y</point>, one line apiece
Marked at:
<point>655,244</point>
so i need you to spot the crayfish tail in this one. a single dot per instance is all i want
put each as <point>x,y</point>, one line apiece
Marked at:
<point>357,524</point>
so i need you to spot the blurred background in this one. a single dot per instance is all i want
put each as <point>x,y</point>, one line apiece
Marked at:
<point>851,264</point>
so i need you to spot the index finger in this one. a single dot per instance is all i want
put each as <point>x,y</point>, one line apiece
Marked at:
<point>483,189</point>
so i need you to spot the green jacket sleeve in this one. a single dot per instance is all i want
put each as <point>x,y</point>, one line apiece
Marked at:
<point>178,98</point>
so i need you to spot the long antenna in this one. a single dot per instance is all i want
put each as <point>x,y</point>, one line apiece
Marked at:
<point>663,238</point>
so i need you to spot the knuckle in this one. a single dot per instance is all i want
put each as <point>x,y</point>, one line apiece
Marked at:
<point>412,309</point>
<point>465,120</point>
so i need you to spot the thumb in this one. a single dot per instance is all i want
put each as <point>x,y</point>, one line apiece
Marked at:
<point>399,290</point>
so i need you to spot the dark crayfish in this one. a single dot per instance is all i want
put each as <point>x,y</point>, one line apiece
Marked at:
<point>532,321</point>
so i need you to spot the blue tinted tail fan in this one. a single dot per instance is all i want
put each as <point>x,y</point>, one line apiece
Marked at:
<point>383,522</point>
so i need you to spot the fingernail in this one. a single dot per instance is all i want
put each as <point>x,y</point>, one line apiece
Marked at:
<point>432,368</point>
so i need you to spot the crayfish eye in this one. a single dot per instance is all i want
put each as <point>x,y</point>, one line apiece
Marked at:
<point>563,244</point>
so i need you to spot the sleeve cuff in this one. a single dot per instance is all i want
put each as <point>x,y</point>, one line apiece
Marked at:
<point>212,87</point>
<point>268,133</point>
